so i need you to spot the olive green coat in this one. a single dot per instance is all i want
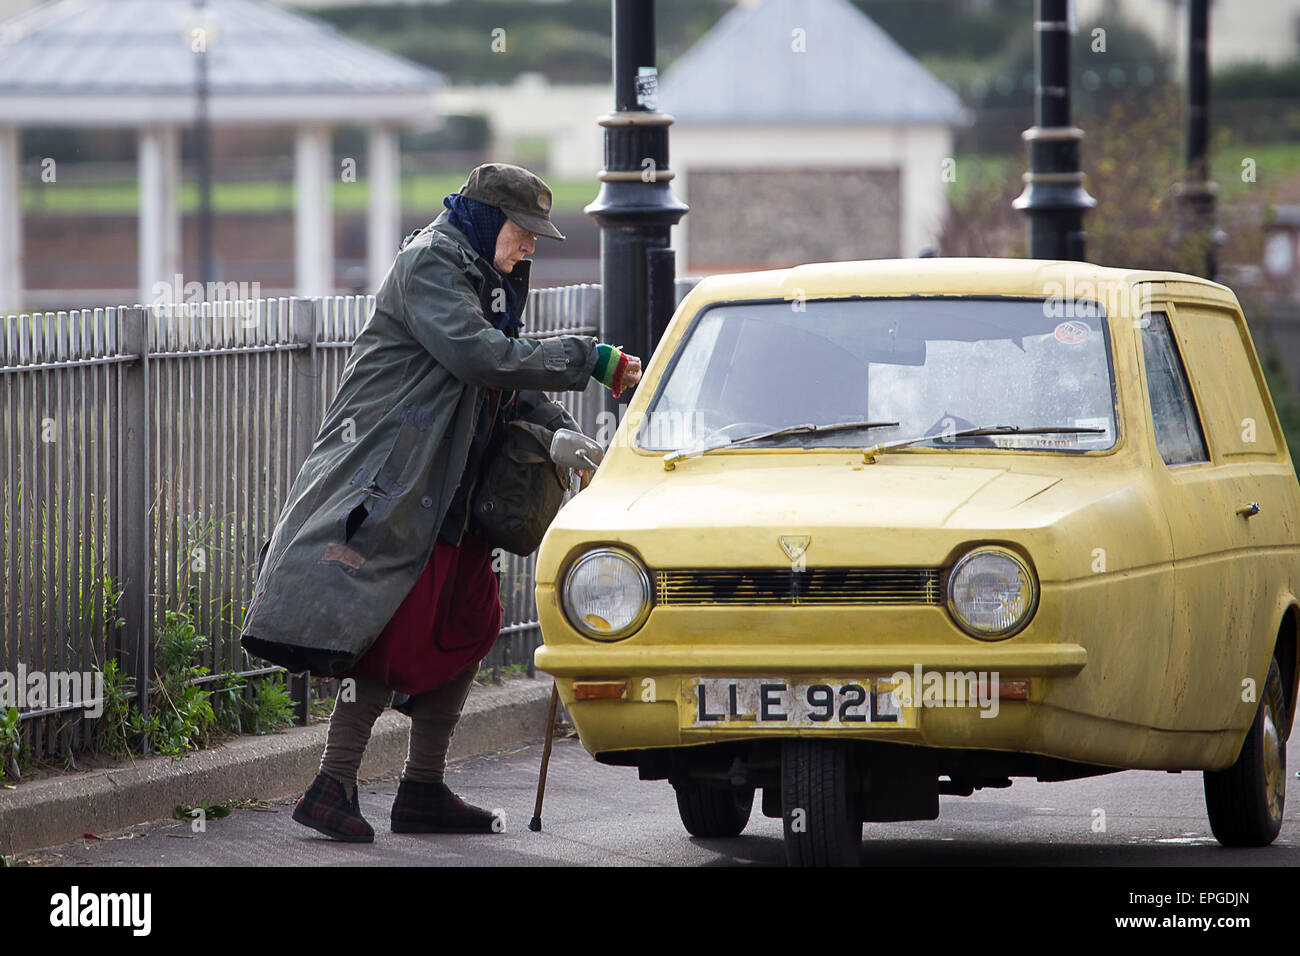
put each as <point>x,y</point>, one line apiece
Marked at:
<point>360,521</point>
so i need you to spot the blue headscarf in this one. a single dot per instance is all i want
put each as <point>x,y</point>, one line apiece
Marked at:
<point>481,223</point>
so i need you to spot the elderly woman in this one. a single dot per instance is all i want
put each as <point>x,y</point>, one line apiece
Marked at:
<point>376,572</point>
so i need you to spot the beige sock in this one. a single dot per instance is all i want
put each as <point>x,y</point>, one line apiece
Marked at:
<point>433,718</point>
<point>350,727</point>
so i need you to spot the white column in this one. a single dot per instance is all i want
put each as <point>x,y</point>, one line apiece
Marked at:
<point>160,218</point>
<point>383,218</point>
<point>923,194</point>
<point>11,222</point>
<point>313,216</point>
<point>677,233</point>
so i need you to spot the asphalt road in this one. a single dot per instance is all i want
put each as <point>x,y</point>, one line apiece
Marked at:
<point>605,816</point>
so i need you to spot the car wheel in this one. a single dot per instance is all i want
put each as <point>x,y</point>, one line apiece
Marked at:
<point>714,811</point>
<point>819,813</point>
<point>1246,800</point>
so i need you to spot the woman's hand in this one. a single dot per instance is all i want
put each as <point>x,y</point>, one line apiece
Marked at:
<point>632,374</point>
<point>616,369</point>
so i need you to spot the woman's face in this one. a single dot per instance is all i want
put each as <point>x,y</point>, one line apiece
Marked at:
<point>513,243</point>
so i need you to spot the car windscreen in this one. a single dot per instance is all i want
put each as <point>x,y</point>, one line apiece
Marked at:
<point>934,365</point>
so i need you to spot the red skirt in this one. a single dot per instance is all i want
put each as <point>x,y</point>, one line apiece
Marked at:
<point>447,623</point>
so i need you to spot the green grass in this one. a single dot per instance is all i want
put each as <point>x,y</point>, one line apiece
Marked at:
<point>423,192</point>
<point>1274,163</point>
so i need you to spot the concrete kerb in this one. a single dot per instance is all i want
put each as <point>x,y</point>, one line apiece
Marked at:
<point>62,809</point>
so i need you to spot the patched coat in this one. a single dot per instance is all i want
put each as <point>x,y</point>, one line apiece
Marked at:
<point>359,523</point>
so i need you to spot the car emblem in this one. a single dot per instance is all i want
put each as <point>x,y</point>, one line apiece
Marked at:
<point>794,545</point>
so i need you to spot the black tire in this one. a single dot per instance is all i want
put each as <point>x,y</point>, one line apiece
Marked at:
<point>818,808</point>
<point>1245,802</point>
<point>714,811</point>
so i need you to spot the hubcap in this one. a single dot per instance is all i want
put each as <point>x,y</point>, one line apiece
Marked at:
<point>1274,765</point>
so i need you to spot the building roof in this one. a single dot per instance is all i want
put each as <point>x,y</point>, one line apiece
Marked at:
<point>111,62</point>
<point>746,71</point>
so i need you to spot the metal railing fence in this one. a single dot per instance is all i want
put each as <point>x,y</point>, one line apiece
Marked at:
<point>147,452</point>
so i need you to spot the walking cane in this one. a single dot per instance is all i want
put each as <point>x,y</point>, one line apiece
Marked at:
<point>535,824</point>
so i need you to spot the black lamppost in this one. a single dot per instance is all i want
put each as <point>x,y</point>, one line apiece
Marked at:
<point>201,45</point>
<point>635,207</point>
<point>1054,198</point>
<point>1197,192</point>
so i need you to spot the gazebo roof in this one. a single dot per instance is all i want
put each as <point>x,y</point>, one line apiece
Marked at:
<point>746,71</point>
<point>129,62</point>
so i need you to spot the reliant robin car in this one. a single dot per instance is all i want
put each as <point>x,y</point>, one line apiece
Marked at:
<point>872,532</point>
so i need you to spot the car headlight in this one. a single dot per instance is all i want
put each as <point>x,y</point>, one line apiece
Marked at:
<point>607,594</point>
<point>992,593</point>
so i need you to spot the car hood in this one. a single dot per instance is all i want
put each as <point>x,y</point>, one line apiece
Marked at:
<point>863,496</point>
<point>713,512</point>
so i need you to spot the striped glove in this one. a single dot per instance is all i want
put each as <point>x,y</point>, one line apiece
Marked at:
<point>611,363</point>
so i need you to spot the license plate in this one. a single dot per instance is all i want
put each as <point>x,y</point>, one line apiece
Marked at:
<point>772,703</point>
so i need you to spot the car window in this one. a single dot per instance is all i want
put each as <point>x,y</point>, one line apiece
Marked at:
<point>1173,412</point>
<point>1223,375</point>
<point>934,365</point>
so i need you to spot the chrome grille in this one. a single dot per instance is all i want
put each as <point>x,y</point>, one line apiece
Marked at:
<point>782,586</point>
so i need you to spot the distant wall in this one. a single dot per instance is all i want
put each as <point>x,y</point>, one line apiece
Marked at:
<point>80,261</point>
<point>758,217</point>
<point>916,156</point>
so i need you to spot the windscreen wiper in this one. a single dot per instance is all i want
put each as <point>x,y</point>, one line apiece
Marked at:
<point>869,454</point>
<point>671,459</point>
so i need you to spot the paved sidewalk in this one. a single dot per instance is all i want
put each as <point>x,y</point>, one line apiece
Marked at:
<point>61,809</point>
<point>594,815</point>
<point>598,815</point>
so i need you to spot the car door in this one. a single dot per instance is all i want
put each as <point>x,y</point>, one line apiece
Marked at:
<point>1199,511</point>
<point>1255,484</point>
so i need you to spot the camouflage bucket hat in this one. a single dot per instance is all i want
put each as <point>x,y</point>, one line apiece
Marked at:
<point>517,193</point>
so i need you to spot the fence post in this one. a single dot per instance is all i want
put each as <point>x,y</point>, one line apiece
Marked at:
<point>305,415</point>
<point>593,399</point>
<point>134,514</point>
<point>303,315</point>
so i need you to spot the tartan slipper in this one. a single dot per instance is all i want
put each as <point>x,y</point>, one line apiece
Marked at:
<point>433,808</point>
<point>325,807</point>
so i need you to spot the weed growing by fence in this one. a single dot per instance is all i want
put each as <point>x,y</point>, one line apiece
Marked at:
<point>113,729</point>
<point>227,701</point>
<point>272,706</point>
<point>11,743</point>
<point>184,715</point>
<point>182,718</point>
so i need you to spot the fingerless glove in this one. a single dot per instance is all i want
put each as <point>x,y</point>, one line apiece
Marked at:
<point>611,363</point>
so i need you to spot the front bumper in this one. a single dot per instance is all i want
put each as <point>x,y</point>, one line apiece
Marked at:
<point>1071,712</point>
<point>1043,660</point>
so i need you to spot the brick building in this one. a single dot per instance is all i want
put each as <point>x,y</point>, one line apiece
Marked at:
<point>802,133</point>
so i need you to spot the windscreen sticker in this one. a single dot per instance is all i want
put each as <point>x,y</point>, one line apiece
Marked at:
<point>1091,439</point>
<point>1072,332</point>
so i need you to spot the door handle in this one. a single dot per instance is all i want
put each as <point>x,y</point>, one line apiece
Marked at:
<point>1250,510</point>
